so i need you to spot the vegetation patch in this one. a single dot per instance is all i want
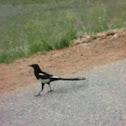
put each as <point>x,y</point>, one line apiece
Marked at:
<point>28,27</point>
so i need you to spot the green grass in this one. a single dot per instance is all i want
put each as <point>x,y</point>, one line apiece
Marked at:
<point>31,26</point>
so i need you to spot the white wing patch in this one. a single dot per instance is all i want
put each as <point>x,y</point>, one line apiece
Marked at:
<point>41,74</point>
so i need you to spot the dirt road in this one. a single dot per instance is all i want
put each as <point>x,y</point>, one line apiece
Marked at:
<point>100,100</point>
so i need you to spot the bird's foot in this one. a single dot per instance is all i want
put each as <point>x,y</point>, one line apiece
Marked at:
<point>37,95</point>
<point>50,91</point>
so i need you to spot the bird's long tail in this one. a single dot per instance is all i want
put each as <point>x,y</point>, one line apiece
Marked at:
<point>72,79</point>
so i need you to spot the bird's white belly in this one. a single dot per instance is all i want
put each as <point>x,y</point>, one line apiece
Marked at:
<point>45,81</point>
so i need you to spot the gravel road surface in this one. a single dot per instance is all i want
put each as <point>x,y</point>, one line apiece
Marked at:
<point>98,101</point>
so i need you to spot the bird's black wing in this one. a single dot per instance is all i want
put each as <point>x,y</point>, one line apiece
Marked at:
<point>45,75</point>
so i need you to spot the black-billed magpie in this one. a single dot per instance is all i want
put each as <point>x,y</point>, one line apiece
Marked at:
<point>46,78</point>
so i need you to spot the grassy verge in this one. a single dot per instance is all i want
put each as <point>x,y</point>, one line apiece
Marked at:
<point>27,27</point>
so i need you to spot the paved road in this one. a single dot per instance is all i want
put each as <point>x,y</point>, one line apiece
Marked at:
<point>98,101</point>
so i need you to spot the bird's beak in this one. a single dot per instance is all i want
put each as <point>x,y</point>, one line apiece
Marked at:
<point>29,65</point>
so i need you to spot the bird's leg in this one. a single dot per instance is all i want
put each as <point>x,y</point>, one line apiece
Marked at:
<point>40,90</point>
<point>50,87</point>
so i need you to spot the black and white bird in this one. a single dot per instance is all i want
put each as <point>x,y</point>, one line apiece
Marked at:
<point>46,78</point>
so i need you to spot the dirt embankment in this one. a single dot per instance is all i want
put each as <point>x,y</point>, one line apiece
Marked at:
<point>84,53</point>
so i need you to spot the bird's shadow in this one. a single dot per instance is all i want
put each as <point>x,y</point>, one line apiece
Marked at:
<point>70,88</point>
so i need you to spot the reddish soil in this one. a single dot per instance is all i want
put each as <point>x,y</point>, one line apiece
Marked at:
<point>84,53</point>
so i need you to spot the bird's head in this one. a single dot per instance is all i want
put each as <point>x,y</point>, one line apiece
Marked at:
<point>34,66</point>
